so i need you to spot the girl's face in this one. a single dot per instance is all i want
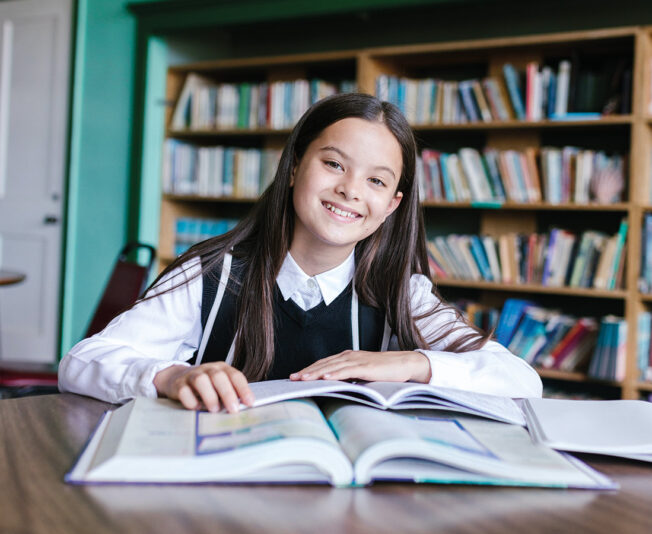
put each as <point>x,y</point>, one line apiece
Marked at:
<point>345,186</point>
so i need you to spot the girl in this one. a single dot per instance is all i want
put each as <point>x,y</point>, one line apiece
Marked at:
<point>325,279</point>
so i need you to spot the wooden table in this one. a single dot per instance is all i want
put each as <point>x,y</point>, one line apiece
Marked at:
<point>41,436</point>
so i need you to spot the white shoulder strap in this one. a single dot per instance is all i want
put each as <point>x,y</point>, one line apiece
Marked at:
<point>224,279</point>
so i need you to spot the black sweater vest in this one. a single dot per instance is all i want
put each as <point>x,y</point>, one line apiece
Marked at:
<point>300,337</point>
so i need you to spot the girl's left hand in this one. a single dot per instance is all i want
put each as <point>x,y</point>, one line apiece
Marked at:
<point>391,366</point>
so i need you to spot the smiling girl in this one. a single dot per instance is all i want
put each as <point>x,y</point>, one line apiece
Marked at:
<point>327,278</point>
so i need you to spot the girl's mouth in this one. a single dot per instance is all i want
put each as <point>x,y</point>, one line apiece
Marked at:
<point>342,213</point>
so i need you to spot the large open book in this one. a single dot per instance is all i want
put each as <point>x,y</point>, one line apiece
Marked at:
<point>157,441</point>
<point>619,428</point>
<point>392,395</point>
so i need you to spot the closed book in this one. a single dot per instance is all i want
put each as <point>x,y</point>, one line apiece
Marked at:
<point>510,317</point>
<point>468,100</point>
<point>563,86</point>
<point>481,260</point>
<point>514,90</point>
<point>481,101</point>
<point>490,161</point>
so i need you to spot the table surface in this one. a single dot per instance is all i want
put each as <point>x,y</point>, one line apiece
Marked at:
<point>42,436</point>
<point>8,278</point>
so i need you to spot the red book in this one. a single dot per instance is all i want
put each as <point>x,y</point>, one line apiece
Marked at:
<point>579,330</point>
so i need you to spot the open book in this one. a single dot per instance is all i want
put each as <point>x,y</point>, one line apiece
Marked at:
<point>618,428</point>
<point>157,441</point>
<point>392,395</point>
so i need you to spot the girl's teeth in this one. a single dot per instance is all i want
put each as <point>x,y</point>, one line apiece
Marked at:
<point>338,211</point>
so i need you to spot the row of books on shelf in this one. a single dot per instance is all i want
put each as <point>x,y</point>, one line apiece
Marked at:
<point>549,339</point>
<point>217,171</point>
<point>554,175</point>
<point>191,230</point>
<point>559,258</point>
<point>561,92</point>
<point>204,104</point>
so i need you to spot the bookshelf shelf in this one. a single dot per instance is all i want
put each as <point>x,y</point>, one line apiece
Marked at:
<point>232,132</point>
<point>203,198</point>
<point>574,377</point>
<point>627,134</point>
<point>533,288</point>
<point>535,206</point>
<point>619,120</point>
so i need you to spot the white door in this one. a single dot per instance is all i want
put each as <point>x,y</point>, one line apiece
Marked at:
<point>34,74</point>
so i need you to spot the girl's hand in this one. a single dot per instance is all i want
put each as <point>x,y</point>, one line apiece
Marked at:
<point>214,385</point>
<point>393,366</point>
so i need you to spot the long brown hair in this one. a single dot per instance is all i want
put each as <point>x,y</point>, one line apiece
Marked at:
<point>385,260</point>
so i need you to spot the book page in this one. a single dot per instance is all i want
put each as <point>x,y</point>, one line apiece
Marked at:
<point>221,432</point>
<point>158,427</point>
<point>359,428</point>
<point>500,408</point>
<point>606,427</point>
<point>270,391</point>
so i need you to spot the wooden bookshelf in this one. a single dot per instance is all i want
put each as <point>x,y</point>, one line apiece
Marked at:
<point>633,131</point>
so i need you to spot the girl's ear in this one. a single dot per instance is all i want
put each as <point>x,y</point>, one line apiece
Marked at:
<point>393,204</point>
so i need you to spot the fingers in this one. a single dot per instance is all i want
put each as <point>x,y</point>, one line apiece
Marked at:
<point>213,385</point>
<point>335,367</point>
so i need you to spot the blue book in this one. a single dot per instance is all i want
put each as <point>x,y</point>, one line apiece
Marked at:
<point>445,178</point>
<point>480,257</point>
<point>647,253</point>
<point>402,88</point>
<point>599,351</point>
<point>552,95</point>
<point>514,89</point>
<point>643,344</point>
<point>468,100</point>
<point>548,267</point>
<point>511,315</point>
<point>490,163</point>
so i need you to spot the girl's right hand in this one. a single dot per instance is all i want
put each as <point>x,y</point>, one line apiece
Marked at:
<point>215,385</point>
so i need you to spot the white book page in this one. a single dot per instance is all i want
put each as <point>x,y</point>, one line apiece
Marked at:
<point>270,391</point>
<point>608,427</point>
<point>221,432</point>
<point>158,427</point>
<point>502,408</point>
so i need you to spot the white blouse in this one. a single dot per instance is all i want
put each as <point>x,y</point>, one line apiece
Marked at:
<point>120,362</point>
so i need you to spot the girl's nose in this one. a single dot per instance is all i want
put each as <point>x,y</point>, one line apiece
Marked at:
<point>348,187</point>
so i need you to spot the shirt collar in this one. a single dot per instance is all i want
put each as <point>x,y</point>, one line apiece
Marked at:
<point>331,283</point>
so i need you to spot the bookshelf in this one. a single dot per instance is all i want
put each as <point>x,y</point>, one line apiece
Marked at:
<point>628,133</point>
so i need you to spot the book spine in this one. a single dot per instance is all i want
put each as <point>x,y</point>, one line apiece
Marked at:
<point>514,90</point>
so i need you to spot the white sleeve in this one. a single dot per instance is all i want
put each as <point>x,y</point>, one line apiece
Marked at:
<point>120,362</point>
<point>492,369</point>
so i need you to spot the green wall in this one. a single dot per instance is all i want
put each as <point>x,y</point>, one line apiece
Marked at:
<point>123,48</point>
<point>98,181</point>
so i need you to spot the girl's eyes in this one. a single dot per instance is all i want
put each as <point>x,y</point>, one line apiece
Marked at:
<point>334,165</point>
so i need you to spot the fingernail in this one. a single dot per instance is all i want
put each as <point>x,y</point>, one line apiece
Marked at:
<point>306,375</point>
<point>235,407</point>
<point>294,375</point>
<point>327,375</point>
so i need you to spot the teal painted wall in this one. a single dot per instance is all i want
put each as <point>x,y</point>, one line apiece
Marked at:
<point>116,135</point>
<point>98,182</point>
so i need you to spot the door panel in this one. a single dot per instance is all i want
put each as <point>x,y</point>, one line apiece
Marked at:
<point>34,72</point>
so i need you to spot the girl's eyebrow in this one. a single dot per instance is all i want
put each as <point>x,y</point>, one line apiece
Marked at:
<point>345,156</point>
